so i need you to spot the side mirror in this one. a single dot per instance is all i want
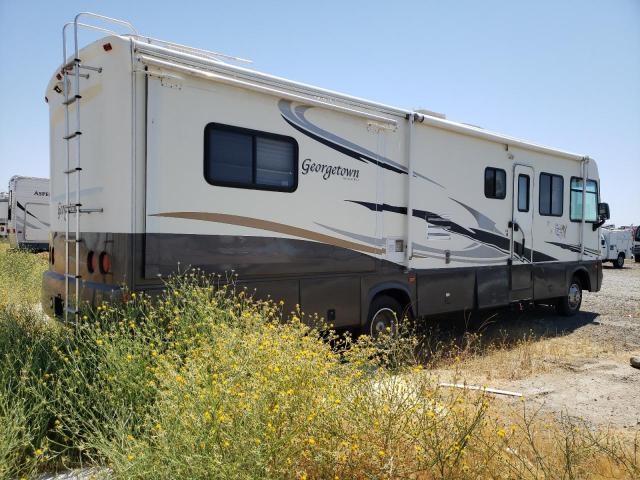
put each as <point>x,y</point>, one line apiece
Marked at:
<point>603,215</point>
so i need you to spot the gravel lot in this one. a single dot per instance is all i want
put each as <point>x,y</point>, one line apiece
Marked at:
<point>581,364</point>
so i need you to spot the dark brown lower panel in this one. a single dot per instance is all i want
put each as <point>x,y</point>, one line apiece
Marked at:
<point>336,283</point>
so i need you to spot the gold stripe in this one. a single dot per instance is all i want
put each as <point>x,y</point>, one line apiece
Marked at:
<point>270,226</point>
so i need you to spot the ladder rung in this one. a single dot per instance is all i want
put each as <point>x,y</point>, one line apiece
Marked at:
<point>77,63</point>
<point>74,134</point>
<point>72,100</point>
<point>73,240</point>
<point>91,210</point>
<point>73,170</point>
<point>69,275</point>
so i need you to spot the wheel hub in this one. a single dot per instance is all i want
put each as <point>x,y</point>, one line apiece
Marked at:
<point>575,296</point>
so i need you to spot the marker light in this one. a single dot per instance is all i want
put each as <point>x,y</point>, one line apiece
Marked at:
<point>92,262</point>
<point>105,263</point>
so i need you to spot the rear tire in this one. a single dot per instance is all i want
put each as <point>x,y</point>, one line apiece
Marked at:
<point>637,258</point>
<point>384,314</point>
<point>619,262</point>
<point>569,305</point>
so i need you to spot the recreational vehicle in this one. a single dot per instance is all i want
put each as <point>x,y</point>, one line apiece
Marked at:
<point>28,213</point>
<point>164,156</point>
<point>616,245</point>
<point>4,210</point>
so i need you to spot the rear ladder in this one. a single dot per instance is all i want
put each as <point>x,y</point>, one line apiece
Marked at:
<point>71,76</point>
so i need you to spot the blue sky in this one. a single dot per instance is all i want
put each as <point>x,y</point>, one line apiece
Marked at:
<point>561,73</point>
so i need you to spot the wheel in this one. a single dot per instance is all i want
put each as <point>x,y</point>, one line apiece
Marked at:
<point>619,262</point>
<point>637,258</point>
<point>384,314</point>
<point>570,304</point>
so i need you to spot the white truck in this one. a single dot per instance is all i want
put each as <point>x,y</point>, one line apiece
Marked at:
<point>616,245</point>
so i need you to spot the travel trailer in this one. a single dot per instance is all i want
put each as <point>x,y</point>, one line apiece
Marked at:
<point>28,213</point>
<point>166,156</point>
<point>4,210</point>
<point>616,245</point>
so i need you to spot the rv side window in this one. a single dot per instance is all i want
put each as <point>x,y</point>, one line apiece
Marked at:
<point>495,183</point>
<point>551,195</point>
<point>523,193</point>
<point>591,200</point>
<point>238,157</point>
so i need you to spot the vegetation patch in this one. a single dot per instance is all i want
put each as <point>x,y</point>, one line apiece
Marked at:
<point>206,382</point>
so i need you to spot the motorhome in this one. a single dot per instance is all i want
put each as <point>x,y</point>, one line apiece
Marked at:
<point>164,155</point>
<point>4,210</point>
<point>616,245</point>
<point>28,213</point>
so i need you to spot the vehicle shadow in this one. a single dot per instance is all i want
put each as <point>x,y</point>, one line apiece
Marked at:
<point>478,332</point>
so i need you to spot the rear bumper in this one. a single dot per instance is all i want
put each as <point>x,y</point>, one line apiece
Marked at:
<point>91,293</point>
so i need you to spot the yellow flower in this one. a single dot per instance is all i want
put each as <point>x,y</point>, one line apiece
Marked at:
<point>129,357</point>
<point>130,437</point>
<point>39,452</point>
<point>501,433</point>
<point>312,441</point>
<point>130,457</point>
<point>381,453</point>
<point>99,342</point>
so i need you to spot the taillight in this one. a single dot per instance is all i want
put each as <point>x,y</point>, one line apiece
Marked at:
<point>92,262</point>
<point>105,262</point>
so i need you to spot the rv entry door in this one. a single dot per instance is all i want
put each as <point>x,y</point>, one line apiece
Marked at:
<point>521,227</point>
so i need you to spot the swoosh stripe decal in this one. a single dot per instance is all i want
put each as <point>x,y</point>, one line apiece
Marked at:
<point>272,227</point>
<point>490,239</point>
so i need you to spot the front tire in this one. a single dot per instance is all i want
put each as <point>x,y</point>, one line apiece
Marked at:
<point>619,262</point>
<point>384,314</point>
<point>569,305</point>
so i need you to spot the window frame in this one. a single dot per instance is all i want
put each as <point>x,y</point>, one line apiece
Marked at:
<point>550,214</point>
<point>587,193</point>
<point>495,169</point>
<point>528,207</point>
<point>254,134</point>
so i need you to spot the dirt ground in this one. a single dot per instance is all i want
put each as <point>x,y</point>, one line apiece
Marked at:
<point>578,365</point>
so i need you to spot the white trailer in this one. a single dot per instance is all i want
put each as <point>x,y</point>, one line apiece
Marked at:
<point>28,213</point>
<point>353,209</point>
<point>4,210</point>
<point>616,245</point>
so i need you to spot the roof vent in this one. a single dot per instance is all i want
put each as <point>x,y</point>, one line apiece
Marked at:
<point>431,114</point>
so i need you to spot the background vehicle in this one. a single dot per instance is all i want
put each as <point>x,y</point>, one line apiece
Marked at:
<point>4,210</point>
<point>616,245</point>
<point>28,213</point>
<point>636,243</point>
<point>352,209</point>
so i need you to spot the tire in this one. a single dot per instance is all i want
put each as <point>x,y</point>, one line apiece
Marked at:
<point>384,314</point>
<point>637,258</point>
<point>619,262</point>
<point>569,305</point>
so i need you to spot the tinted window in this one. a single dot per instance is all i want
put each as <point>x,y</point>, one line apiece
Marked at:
<point>495,183</point>
<point>523,193</point>
<point>551,195</point>
<point>591,200</point>
<point>237,157</point>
